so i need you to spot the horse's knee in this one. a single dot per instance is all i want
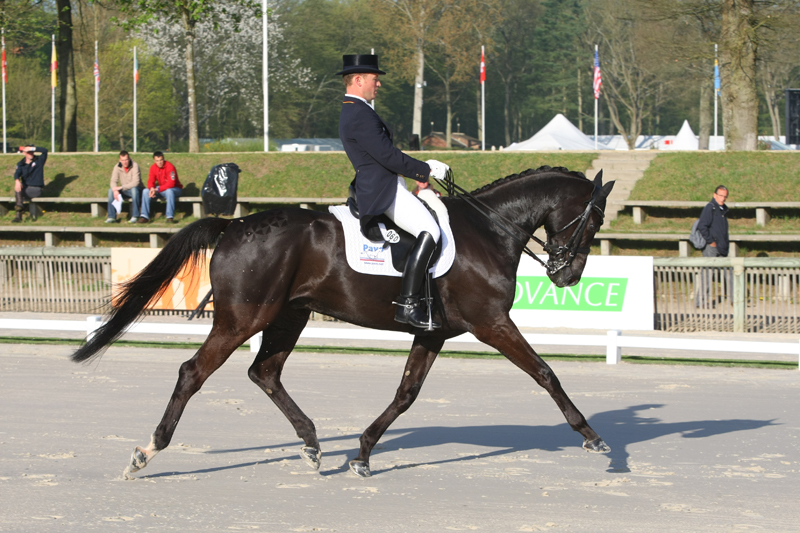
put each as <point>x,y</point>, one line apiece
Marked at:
<point>405,399</point>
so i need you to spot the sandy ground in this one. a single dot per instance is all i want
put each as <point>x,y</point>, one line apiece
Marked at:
<point>483,449</point>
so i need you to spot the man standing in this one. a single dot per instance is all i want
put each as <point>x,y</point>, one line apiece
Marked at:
<point>163,181</point>
<point>379,185</point>
<point>29,179</point>
<point>126,182</point>
<point>713,226</point>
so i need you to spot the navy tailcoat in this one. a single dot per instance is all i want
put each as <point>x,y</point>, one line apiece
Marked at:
<point>368,143</point>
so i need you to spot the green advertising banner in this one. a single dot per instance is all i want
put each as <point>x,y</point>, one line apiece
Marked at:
<point>590,294</point>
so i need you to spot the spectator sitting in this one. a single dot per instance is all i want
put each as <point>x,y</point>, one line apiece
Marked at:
<point>168,188</point>
<point>126,182</point>
<point>29,179</point>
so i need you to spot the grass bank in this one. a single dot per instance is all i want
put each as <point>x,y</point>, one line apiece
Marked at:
<point>749,176</point>
<point>275,174</point>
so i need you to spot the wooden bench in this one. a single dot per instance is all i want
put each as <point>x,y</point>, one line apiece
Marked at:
<point>607,239</point>
<point>99,206</point>
<point>639,207</point>
<point>53,234</point>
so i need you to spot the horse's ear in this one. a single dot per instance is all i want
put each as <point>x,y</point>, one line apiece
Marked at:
<point>598,179</point>
<point>607,188</point>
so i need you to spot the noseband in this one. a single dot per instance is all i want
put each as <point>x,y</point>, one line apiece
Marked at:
<point>560,256</point>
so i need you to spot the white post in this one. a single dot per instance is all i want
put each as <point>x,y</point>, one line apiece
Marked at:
<point>716,96</point>
<point>53,76</point>
<point>4,91</point>
<point>372,102</point>
<point>613,351</point>
<point>135,83</point>
<point>255,342</point>
<point>595,107</point>
<point>483,101</point>
<point>96,96</point>
<point>265,76</point>
<point>93,323</point>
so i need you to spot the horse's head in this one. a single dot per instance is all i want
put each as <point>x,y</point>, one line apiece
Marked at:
<point>570,230</point>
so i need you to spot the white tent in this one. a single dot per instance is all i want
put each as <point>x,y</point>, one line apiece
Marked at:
<point>559,134</point>
<point>684,140</point>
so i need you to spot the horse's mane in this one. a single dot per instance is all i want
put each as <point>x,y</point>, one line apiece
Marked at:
<point>530,172</point>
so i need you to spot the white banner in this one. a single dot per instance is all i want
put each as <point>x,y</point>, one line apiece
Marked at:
<point>614,293</point>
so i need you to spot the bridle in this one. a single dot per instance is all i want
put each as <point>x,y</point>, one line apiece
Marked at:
<point>560,255</point>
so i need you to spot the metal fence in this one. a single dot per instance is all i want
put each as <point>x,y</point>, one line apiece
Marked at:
<point>691,294</point>
<point>55,280</point>
<point>759,295</point>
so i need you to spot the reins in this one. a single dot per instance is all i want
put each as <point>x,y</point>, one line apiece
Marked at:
<point>571,249</point>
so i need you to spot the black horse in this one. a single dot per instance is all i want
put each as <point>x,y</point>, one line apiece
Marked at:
<point>271,269</point>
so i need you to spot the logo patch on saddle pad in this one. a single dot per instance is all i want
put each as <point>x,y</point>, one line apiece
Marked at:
<point>375,258</point>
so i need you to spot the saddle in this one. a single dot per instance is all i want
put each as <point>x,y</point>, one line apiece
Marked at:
<point>381,229</point>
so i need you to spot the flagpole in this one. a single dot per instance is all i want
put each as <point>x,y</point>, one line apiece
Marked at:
<point>372,102</point>
<point>596,98</point>
<point>135,81</point>
<point>96,95</point>
<point>716,93</point>
<point>483,100</point>
<point>4,92</point>
<point>265,74</point>
<point>53,96</point>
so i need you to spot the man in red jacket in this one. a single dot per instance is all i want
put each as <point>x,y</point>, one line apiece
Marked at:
<point>163,181</point>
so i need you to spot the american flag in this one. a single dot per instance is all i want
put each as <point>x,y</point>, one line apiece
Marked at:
<point>96,74</point>
<point>598,80</point>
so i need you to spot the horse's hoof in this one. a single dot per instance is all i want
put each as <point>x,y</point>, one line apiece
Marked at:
<point>138,461</point>
<point>360,468</point>
<point>312,456</point>
<point>596,446</point>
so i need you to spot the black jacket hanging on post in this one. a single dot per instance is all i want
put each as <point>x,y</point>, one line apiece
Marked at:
<point>713,226</point>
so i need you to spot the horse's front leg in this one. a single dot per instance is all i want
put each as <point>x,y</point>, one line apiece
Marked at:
<point>506,338</point>
<point>423,354</point>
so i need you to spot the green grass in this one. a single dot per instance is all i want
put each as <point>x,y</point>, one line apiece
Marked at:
<point>637,359</point>
<point>274,174</point>
<point>749,176</point>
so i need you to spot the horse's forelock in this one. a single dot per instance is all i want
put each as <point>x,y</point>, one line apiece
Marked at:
<point>531,172</point>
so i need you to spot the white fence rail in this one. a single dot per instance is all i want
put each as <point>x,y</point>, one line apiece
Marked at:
<point>613,341</point>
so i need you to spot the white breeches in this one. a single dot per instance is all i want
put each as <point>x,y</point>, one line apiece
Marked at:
<point>411,214</point>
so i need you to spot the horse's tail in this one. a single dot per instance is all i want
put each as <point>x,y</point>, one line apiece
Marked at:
<point>189,244</point>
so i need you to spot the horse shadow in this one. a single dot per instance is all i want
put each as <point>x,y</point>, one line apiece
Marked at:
<point>628,426</point>
<point>55,187</point>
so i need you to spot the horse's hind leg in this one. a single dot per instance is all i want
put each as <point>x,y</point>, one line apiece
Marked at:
<point>507,339</point>
<point>423,354</point>
<point>278,342</point>
<point>193,373</point>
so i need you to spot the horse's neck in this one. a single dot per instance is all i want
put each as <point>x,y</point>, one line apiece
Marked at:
<point>526,201</point>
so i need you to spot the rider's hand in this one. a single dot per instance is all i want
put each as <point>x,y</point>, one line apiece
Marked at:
<point>438,169</point>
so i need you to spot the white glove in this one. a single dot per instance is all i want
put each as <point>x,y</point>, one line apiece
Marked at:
<point>438,169</point>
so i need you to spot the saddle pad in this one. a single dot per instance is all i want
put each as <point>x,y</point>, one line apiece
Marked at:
<point>369,257</point>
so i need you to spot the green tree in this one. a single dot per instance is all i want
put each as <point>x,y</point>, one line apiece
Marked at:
<point>188,13</point>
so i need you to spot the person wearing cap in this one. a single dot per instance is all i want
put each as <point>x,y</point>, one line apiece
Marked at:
<point>29,179</point>
<point>379,184</point>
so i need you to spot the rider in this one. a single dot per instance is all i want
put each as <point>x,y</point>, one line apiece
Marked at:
<point>379,185</point>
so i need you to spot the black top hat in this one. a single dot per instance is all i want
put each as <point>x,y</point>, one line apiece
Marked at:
<point>357,63</point>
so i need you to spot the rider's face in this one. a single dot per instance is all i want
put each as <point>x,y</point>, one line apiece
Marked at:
<point>369,86</point>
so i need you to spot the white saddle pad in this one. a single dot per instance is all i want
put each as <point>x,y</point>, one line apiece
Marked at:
<point>375,258</point>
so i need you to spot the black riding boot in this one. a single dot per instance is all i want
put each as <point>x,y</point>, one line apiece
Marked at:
<point>410,309</point>
<point>18,207</point>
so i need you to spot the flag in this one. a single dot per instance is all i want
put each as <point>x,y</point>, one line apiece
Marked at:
<point>53,68</point>
<point>717,83</point>
<point>483,67</point>
<point>96,74</point>
<point>5,65</point>
<point>135,71</point>
<point>598,80</point>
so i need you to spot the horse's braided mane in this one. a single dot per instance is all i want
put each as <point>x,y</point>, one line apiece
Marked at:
<point>531,172</point>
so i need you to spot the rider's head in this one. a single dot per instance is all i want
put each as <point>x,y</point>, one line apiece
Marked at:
<point>360,75</point>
